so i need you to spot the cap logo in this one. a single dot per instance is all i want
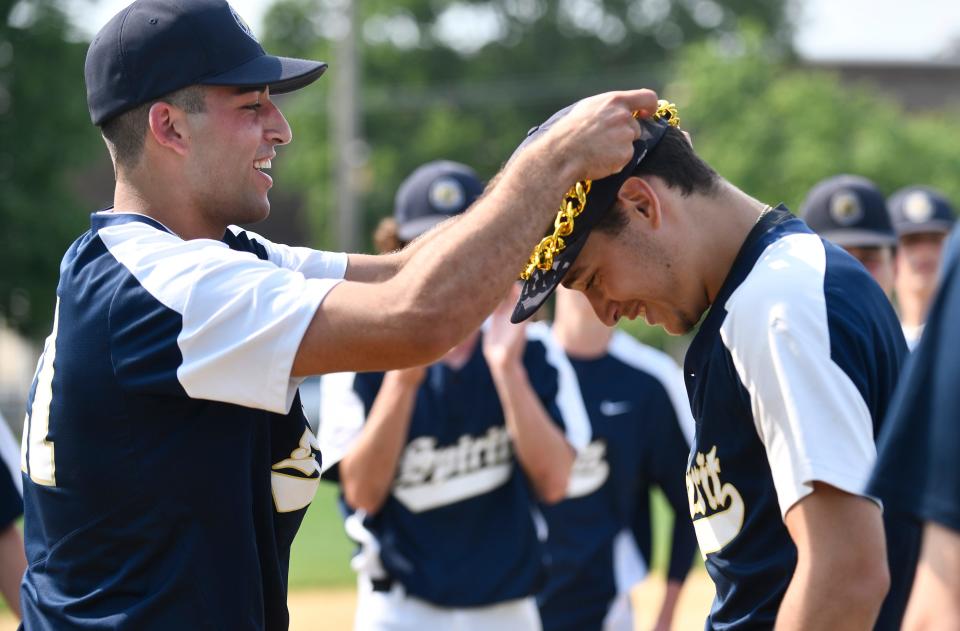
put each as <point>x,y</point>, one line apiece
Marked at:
<point>917,207</point>
<point>446,194</point>
<point>242,23</point>
<point>845,208</point>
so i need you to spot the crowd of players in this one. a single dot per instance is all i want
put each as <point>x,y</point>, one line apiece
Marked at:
<point>167,464</point>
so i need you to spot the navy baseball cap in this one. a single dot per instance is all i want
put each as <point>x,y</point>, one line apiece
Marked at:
<point>433,192</point>
<point>155,47</point>
<point>917,209</point>
<point>850,211</point>
<point>539,283</point>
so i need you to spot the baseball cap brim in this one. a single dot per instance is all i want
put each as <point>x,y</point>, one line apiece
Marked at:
<point>281,74</point>
<point>859,238</point>
<point>934,225</point>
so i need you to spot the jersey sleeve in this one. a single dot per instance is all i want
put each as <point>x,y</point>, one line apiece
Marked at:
<point>202,319</point>
<point>342,415</point>
<point>812,420</point>
<point>564,401</point>
<point>917,470</point>
<point>309,262</point>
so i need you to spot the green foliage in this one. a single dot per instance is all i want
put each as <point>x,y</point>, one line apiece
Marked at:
<point>470,92</point>
<point>775,130</point>
<point>45,136</point>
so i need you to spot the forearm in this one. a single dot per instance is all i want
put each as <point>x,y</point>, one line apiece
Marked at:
<point>826,599</point>
<point>935,599</point>
<point>669,606</point>
<point>368,470</point>
<point>13,564</point>
<point>377,268</point>
<point>540,446</point>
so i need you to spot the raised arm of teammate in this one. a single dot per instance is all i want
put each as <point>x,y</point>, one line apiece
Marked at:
<point>442,292</point>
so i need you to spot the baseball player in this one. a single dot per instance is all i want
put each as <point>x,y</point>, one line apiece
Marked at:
<point>600,542</point>
<point>850,211</point>
<point>167,461</point>
<point>917,468</point>
<point>922,218</point>
<point>12,560</point>
<point>788,377</point>
<point>438,462</point>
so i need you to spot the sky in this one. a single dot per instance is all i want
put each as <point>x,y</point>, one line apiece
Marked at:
<point>828,29</point>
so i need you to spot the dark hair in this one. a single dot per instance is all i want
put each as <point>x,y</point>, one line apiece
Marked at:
<point>385,237</point>
<point>673,161</point>
<point>126,133</point>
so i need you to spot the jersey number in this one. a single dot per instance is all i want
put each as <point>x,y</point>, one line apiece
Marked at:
<point>36,452</point>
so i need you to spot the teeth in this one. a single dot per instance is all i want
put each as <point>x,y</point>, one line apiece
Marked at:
<point>261,164</point>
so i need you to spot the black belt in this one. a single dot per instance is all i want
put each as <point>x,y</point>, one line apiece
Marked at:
<point>382,584</point>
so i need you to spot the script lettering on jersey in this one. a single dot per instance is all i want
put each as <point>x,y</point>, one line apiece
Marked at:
<point>295,479</point>
<point>716,508</point>
<point>432,476</point>
<point>590,470</point>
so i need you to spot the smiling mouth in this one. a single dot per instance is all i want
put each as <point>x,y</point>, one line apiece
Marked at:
<point>261,165</point>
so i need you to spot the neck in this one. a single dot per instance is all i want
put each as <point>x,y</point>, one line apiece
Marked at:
<point>154,197</point>
<point>580,332</point>
<point>723,222</point>
<point>913,306</point>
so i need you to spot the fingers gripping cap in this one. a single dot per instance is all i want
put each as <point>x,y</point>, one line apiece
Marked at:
<point>584,205</point>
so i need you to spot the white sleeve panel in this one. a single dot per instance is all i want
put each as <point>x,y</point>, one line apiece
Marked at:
<point>309,262</point>
<point>576,422</point>
<point>341,417</point>
<point>243,318</point>
<point>661,366</point>
<point>812,420</point>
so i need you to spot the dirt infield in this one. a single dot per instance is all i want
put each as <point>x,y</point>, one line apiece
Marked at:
<point>333,608</point>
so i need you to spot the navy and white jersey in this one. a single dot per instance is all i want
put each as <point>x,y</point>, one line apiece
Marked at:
<point>917,469</point>
<point>166,459</point>
<point>600,536</point>
<point>457,528</point>
<point>789,377</point>
<point>11,487</point>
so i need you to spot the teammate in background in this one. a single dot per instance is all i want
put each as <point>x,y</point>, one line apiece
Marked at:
<point>600,542</point>
<point>850,211</point>
<point>922,219</point>
<point>168,463</point>
<point>917,468</point>
<point>789,377</point>
<point>436,464</point>
<point>13,561</point>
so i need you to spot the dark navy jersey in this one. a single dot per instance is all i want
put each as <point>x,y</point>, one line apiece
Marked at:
<point>789,377</point>
<point>457,528</point>
<point>11,492</point>
<point>166,460</point>
<point>917,468</point>
<point>600,536</point>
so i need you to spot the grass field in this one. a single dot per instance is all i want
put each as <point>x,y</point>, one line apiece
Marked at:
<point>321,552</point>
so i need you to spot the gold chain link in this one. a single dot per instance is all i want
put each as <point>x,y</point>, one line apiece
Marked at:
<point>573,204</point>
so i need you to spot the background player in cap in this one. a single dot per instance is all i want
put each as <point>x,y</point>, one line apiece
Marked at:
<point>442,465</point>
<point>850,211</point>
<point>922,218</point>
<point>640,431</point>
<point>917,469</point>
<point>788,378</point>
<point>168,463</point>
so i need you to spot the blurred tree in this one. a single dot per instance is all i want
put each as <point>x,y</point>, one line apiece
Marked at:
<point>45,137</point>
<point>465,80</point>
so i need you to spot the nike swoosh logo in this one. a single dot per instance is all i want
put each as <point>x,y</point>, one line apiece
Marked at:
<point>615,408</point>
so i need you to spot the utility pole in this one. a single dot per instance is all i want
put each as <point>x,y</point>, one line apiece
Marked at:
<point>349,148</point>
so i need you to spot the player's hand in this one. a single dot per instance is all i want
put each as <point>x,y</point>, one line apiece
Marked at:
<point>596,137</point>
<point>407,378</point>
<point>503,342</point>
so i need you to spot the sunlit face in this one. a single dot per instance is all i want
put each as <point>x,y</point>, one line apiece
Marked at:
<point>879,261</point>
<point>918,261</point>
<point>634,274</point>
<point>231,145</point>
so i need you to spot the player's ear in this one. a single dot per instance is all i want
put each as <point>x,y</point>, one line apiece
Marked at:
<point>167,127</point>
<point>637,194</point>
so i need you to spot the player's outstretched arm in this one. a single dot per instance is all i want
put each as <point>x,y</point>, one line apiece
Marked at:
<point>13,563</point>
<point>447,287</point>
<point>935,600</point>
<point>841,576</point>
